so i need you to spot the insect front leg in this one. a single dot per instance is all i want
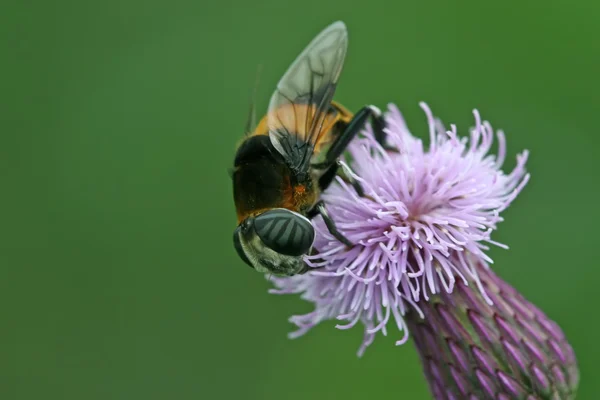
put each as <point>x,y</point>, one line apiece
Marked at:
<point>327,177</point>
<point>357,124</point>
<point>319,209</point>
<point>378,130</point>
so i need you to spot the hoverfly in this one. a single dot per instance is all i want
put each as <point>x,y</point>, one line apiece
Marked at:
<point>291,156</point>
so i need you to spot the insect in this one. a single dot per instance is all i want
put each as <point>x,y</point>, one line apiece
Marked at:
<point>283,165</point>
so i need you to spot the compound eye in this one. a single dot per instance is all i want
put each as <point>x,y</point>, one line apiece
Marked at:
<point>238,246</point>
<point>285,232</point>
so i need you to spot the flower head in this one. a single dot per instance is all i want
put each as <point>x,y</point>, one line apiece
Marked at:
<point>426,213</point>
<point>421,234</point>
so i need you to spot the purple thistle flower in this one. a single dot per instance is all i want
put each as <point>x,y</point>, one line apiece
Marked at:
<point>421,236</point>
<point>428,211</point>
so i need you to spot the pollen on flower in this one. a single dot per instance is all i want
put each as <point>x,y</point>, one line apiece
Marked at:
<point>428,214</point>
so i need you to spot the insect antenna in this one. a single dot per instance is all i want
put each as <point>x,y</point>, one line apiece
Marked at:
<point>251,120</point>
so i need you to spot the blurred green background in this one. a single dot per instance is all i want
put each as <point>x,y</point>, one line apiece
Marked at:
<point>118,123</point>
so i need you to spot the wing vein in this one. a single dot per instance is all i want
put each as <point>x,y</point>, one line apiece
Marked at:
<point>311,81</point>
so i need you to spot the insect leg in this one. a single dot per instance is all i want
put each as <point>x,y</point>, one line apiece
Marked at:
<point>378,131</point>
<point>319,208</point>
<point>354,127</point>
<point>328,176</point>
<point>339,146</point>
<point>326,179</point>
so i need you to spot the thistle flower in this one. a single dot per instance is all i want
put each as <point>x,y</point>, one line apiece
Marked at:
<point>421,234</point>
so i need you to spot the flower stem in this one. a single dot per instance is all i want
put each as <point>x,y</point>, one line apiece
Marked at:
<point>509,350</point>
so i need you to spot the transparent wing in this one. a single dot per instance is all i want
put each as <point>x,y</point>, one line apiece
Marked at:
<point>299,105</point>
